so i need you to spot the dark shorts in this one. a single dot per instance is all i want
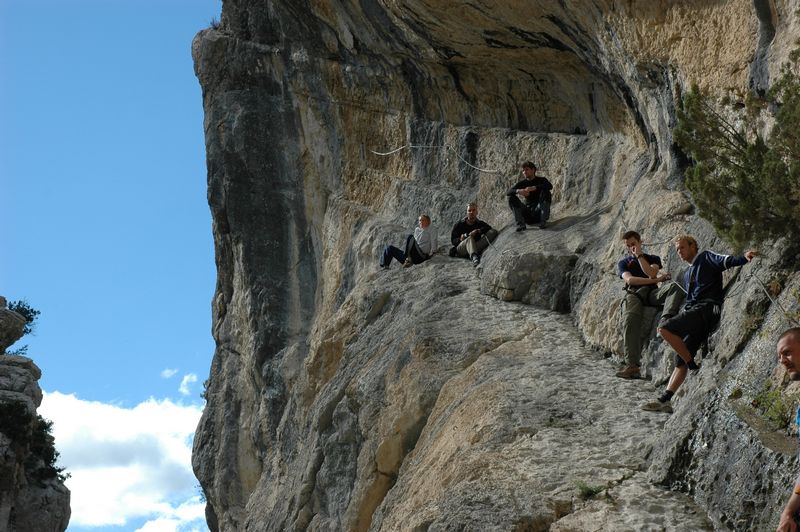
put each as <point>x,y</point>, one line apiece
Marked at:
<point>693,324</point>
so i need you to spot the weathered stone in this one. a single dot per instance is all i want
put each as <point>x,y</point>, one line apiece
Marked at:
<point>27,501</point>
<point>12,326</point>
<point>345,398</point>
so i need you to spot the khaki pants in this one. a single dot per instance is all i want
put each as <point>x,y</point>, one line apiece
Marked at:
<point>641,305</point>
<point>471,245</point>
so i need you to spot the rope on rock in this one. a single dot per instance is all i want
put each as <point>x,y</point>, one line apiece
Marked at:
<point>431,147</point>
<point>789,318</point>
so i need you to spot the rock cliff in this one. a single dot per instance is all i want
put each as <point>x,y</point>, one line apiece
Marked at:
<point>32,497</point>
<point>442,396</point>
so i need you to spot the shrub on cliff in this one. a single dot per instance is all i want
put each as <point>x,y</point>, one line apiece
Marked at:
<point>746,185</point>
<point>30,314</point>
<point>34,433</point>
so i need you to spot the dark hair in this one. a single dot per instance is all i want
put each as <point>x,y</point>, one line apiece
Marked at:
<point>632,234</point>
<point>794,331</point>
<point>529,164</point>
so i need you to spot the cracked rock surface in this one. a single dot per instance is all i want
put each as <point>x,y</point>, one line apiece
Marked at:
<point>445,396</point>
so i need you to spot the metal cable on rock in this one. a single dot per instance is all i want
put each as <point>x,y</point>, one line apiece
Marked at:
<point>422,146</point>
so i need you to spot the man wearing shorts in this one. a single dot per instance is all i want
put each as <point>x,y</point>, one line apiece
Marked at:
<point>700,315</point>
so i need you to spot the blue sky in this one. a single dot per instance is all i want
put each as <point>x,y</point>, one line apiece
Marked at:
<point>105,224</point>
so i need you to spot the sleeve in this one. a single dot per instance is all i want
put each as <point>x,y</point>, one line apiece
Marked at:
<point>622,267</point>
<point>455,234</point>
<point>546,184</point>
<point>723,262</point>
<point>655,259</point>
<point>513,190</point>
<point>485,228</point>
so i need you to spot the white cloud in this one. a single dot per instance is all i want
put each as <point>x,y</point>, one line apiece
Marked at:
<point>127,463</point>
<point>169,373</point>
<point>187,380</point>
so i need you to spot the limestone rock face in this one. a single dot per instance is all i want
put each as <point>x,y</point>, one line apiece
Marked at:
<point>445,396</point>
<point>29,499</point>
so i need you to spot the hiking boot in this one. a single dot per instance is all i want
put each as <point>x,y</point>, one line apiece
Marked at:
<point>631,372</point>
<point>520,227</point>
<point>476,259</point>
<point>693,366</point>
<point>658,406</point>
<point>384,267</point>
<point>543,224</point>
<point>453,251</point>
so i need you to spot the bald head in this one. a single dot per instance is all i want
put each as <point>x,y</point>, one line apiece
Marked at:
<point>789,352</point>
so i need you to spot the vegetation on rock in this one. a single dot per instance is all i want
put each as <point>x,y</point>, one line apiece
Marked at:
<point>746,185</point>
<point>35,435</point>
<point>30,314</point>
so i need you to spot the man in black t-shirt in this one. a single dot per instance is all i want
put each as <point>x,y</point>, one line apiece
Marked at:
<point>471,236</point>
<point>535,190</point>
<point>640,272</point>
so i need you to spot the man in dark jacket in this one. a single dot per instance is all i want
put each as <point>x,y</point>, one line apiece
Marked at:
<point>535,190</point>
<point>700,316</point>
<point>471,236</point>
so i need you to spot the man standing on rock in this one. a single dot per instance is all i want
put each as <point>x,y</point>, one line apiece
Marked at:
<point>535,190</point>
<point>789,358</point>
<point>640,273</point>
<point>699,317</point>
<point>471,236</point>
<point>419,246</point>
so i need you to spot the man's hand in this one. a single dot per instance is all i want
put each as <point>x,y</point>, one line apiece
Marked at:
<point>664,277</point>
<point>475,233</point>
<point>786,524</point>
<point>750,255</point>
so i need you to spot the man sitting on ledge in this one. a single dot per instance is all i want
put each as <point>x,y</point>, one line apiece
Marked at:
<point>471,236</point>
<point>536,192</point>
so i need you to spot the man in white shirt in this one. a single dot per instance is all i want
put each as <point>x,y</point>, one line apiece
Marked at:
<point>419,246</point>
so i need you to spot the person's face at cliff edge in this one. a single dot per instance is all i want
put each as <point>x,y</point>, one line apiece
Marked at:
<point>472,214</point>
<point>528,172</point>
<point>789,355</point>
<point>686,250</point>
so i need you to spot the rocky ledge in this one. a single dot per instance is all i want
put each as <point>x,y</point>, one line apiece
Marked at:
<point>447,397</point>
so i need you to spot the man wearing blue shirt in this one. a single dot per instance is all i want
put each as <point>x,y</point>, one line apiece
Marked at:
<point>704,294</point>
<point>640,272</point>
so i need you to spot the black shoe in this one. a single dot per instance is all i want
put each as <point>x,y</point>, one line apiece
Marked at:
<point>692,365</point>
<point>476,259</point>
<point>453,251</point>
<point>520,227</point>
<point>543,224</point>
